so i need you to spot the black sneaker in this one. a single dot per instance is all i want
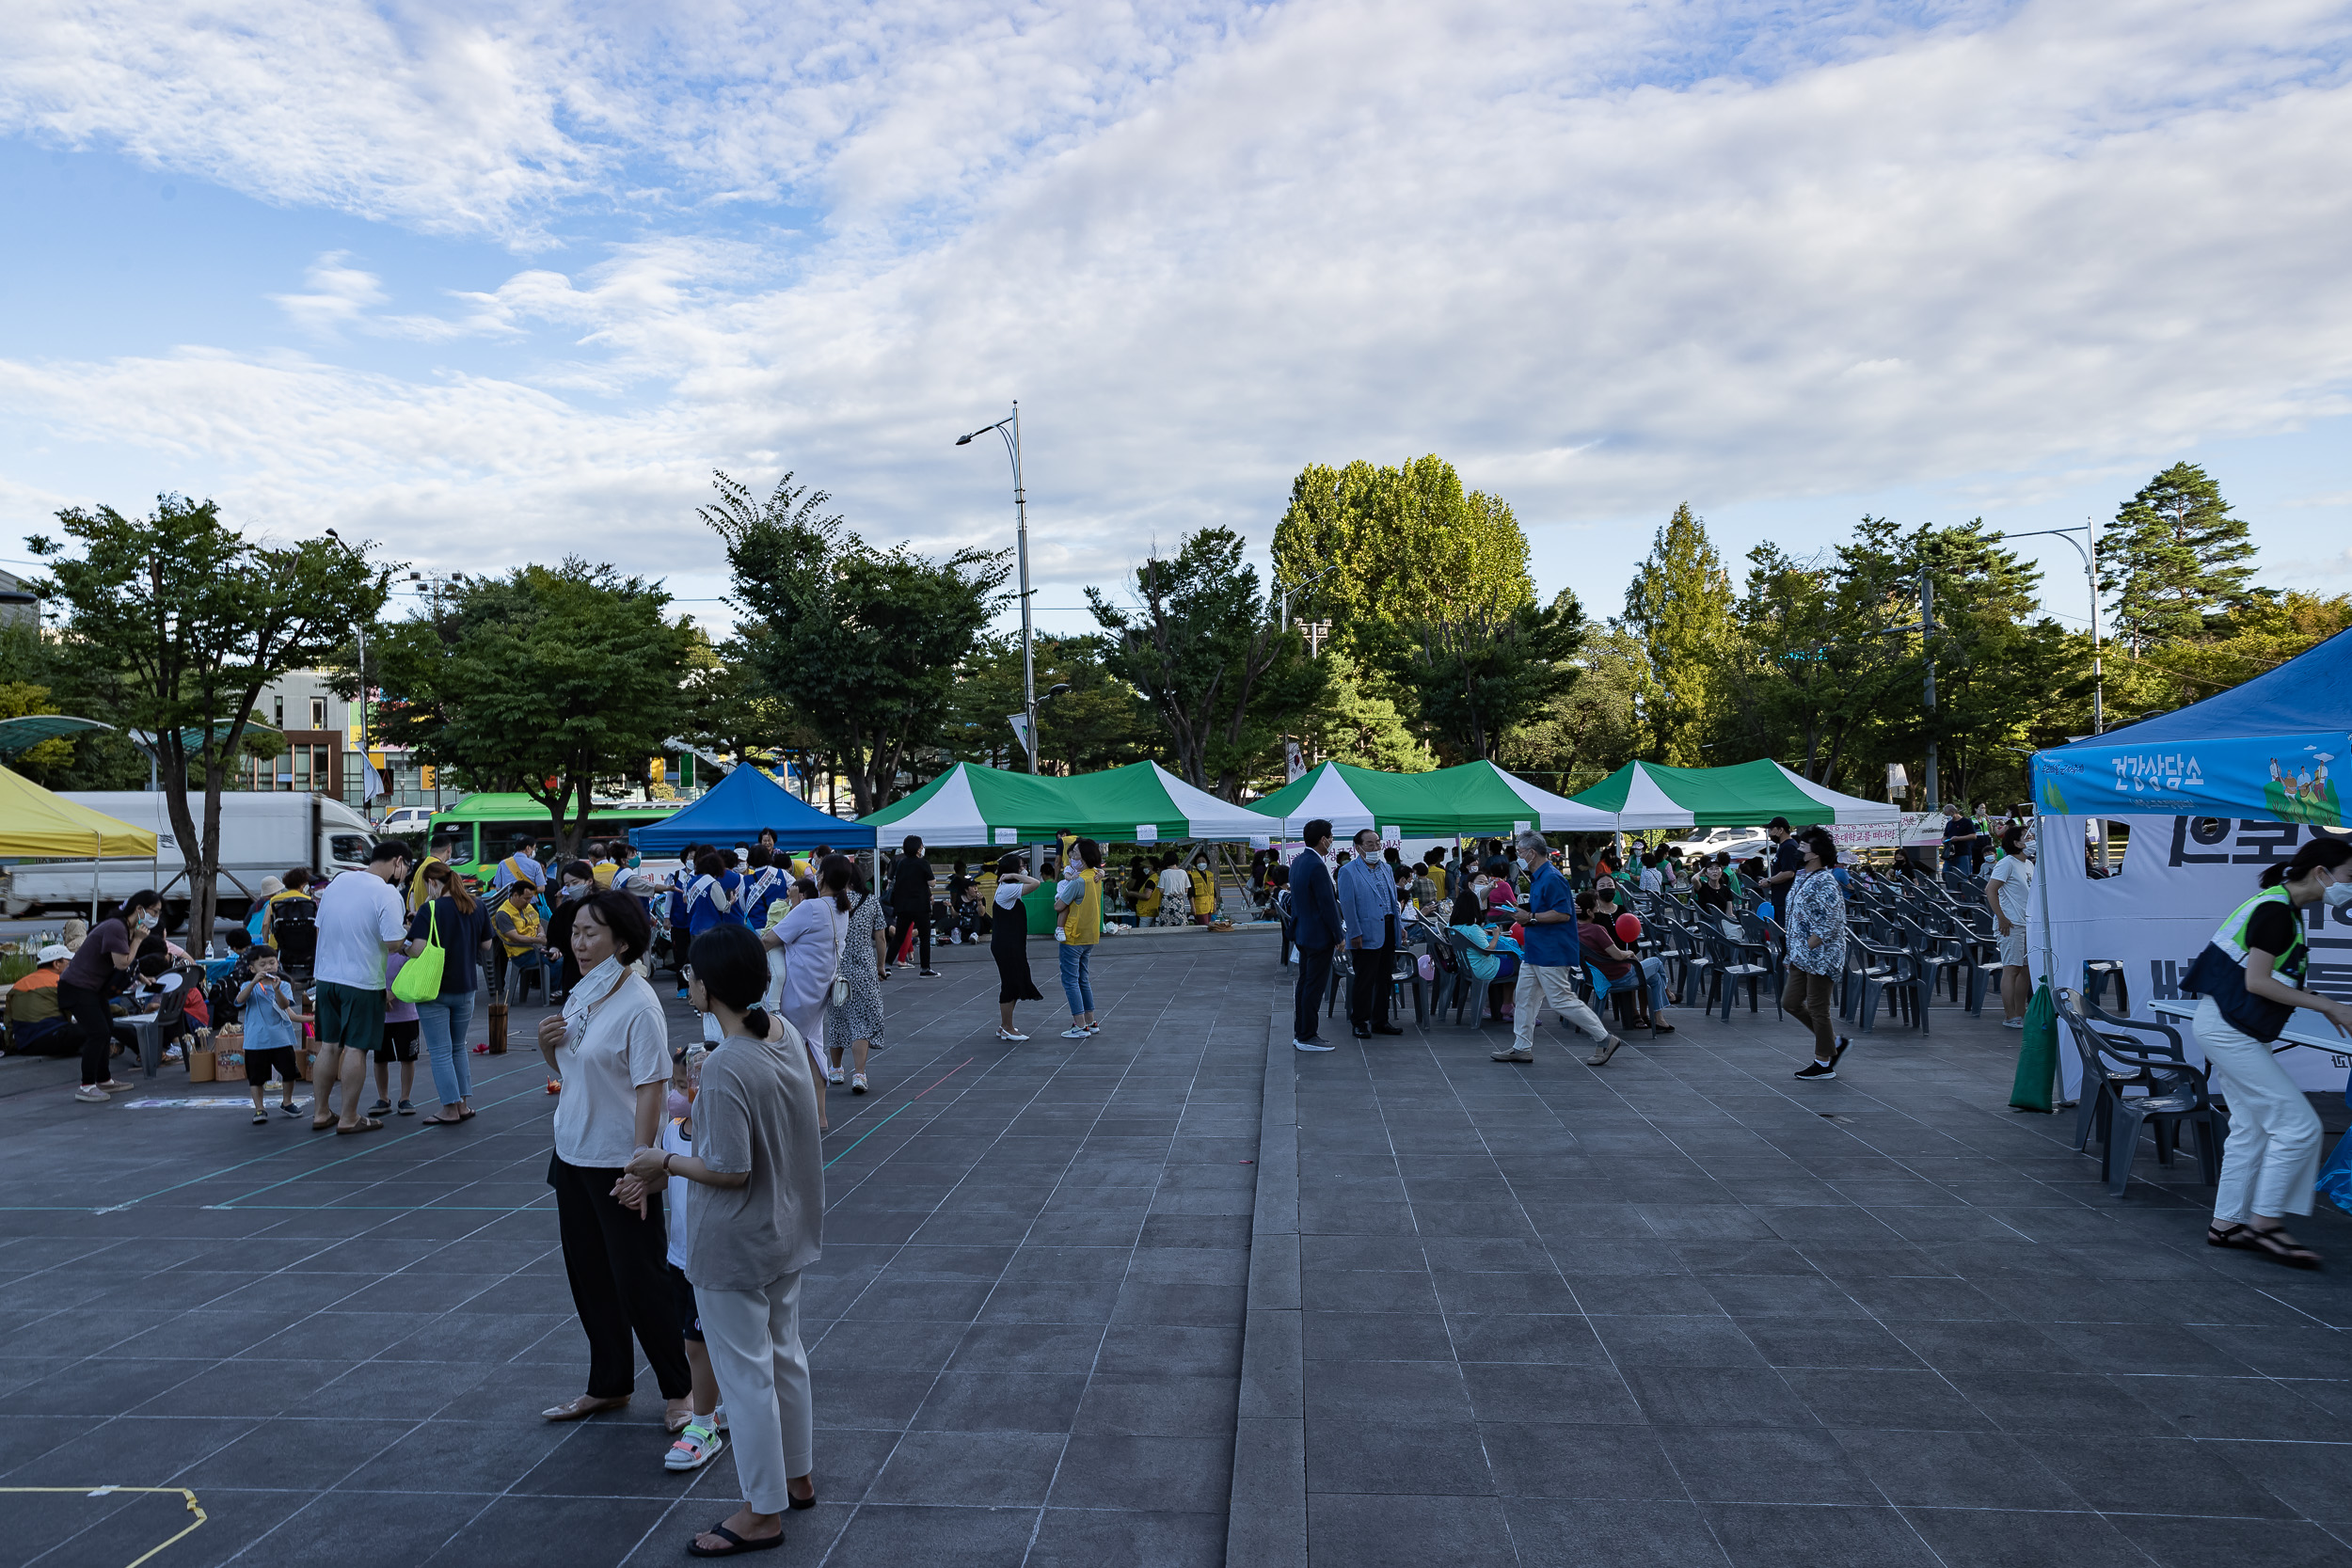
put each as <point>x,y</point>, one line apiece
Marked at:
<point>1838,1054</point>
<point>1817,1071</point>
<point>927,974</point>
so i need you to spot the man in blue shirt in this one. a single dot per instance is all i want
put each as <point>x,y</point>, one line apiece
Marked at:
<point>1315,932</point>
<point>1553,959</point>
<point>1368,904</point>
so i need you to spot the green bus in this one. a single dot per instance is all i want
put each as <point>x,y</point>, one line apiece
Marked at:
<point>487,824</point>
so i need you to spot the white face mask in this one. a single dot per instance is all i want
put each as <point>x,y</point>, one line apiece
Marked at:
<point>2338,895</point>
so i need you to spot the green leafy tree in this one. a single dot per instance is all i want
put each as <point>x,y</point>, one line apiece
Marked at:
<point>863,644</point>
<point>1679,604</point>
<point>1409,545</point>
<point>548,680</point>
<point>1589,731</point>
<point>1475,672</point>
<point>194,620</point>
<point>1097,721</point>
<point>2175,559</point>
<point>1201,644</point>
<point>1359,722</point>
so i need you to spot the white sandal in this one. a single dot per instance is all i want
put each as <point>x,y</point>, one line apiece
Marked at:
<point>1008,1035</point>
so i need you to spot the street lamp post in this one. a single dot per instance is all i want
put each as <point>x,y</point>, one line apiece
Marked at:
<point>2091,573</point>
<point>361,633</point>
<point>1021,541</point>
<point>2088,548</point>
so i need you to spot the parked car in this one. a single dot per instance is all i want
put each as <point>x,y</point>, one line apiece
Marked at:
<point>405,822</point>
<point>1739,841</point>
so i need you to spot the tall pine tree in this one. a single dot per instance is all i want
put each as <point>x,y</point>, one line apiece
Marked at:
<point>1679,605</point>
<point>2175,559</point>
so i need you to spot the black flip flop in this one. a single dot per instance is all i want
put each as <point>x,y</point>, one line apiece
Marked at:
<point>2277,1244</point>
<point>736,1544</point>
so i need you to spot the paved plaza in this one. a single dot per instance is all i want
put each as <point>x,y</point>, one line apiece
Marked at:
<point>1180,1295</point>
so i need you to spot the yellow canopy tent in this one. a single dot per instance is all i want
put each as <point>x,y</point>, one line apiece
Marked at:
<point>37,825</point>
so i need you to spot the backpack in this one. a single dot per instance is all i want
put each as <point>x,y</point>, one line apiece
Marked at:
<point>293,923</point>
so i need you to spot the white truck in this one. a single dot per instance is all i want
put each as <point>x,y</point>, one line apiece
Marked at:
<point>262,833</point>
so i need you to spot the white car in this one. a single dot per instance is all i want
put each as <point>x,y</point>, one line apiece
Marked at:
<point>406,821</point>
<point>1739,841</point>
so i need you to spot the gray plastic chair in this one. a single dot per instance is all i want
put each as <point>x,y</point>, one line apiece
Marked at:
<point>2177,1092</point>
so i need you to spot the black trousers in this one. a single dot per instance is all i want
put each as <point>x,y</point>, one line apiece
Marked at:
<point>619,1270</point>
<point>1368,997</point>
<point>88,1010</point>
<point>921,922</point>
<point>1315,979</point>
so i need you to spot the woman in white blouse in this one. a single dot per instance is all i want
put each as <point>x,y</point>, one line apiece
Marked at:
<point>611,1047</point>
<point>807,936</point>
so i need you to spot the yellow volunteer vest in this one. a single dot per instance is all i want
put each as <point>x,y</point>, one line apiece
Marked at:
<point>1083,920</point>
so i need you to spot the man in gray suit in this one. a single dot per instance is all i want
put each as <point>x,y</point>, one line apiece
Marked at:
<point>1368,905</point>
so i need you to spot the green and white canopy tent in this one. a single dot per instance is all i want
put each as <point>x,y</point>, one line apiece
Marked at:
<point>1651,794</point>
<point>1477,798</point>
<point>1143,803</point>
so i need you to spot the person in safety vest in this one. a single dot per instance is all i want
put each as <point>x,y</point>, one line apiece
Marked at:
<point>1078,931</point>
<point>2249,981</point>
<point>1203,889</point>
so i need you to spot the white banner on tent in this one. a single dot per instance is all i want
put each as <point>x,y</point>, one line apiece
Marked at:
<point>1391,838</point>
<point>1008,835</point>
<point>2181,878</point>
<point>1147,832</point>
<point>1916,828</point>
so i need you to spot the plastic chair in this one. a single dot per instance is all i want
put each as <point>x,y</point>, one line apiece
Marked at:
<point>1884,972</point>
<point>2097,973</point>
<point>2179,1092</point>
<point>1936,952</point>
<point>2100,1083</point>
<point>1745,958</point>
<point>1620,998</point>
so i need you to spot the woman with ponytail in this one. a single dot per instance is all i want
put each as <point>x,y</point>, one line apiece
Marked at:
<point>2249,981</point>
<point>755,1224</point>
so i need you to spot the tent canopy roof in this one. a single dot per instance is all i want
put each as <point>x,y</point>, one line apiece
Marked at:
<point>1476,798</point>
<point>733,810</point>
<point>29,729</point>
<point>2265,748</point>
<point>37,825</point>
<point>1746,794</point>
<point>1143,801</point>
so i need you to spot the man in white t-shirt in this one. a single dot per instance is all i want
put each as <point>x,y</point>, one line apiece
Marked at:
<point>361,920</point>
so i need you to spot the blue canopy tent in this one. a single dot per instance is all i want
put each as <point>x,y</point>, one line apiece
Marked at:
<point>2211,794</point>
<point>2261,749</point>
<point>738,807</point>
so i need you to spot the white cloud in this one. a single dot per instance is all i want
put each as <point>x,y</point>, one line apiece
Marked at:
<point>1567,246</point>
<point>338,296</point>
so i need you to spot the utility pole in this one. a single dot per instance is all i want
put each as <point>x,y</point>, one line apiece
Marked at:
<point>1927,646</point>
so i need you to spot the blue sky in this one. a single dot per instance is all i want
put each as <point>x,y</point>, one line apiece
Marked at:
<point>493,283</point>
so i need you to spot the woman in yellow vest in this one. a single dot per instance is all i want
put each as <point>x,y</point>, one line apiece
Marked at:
<point>1078,931</point>
<point>1203,889</point>
<point>1144,891</point>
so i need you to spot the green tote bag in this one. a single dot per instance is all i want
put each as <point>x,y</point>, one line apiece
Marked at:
<point>419,978</point>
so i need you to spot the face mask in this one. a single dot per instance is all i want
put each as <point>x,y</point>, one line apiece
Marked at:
<point>2338,895</point>
<point>679,1105</point>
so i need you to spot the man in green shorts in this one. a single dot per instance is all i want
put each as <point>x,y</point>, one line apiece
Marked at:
<point>361,918</point>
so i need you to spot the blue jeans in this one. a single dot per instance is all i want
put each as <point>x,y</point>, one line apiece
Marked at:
<point>443,1022</point>
<point>1074,958</point>
<point>1649,974</point>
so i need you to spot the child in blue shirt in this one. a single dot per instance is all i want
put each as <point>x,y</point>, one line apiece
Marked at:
<point>272,1010</point>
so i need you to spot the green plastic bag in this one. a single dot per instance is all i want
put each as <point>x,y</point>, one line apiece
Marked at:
<point>419,978</point>
<point>2037,1054</point>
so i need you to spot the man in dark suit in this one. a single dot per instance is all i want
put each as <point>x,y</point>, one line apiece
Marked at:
<point>1315,912</point>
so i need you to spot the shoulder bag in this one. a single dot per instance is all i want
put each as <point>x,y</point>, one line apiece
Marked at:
<point>419,978</point>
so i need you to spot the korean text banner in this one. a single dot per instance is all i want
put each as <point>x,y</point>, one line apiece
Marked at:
<point>2181,878</point>
<point>2286,777</point>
